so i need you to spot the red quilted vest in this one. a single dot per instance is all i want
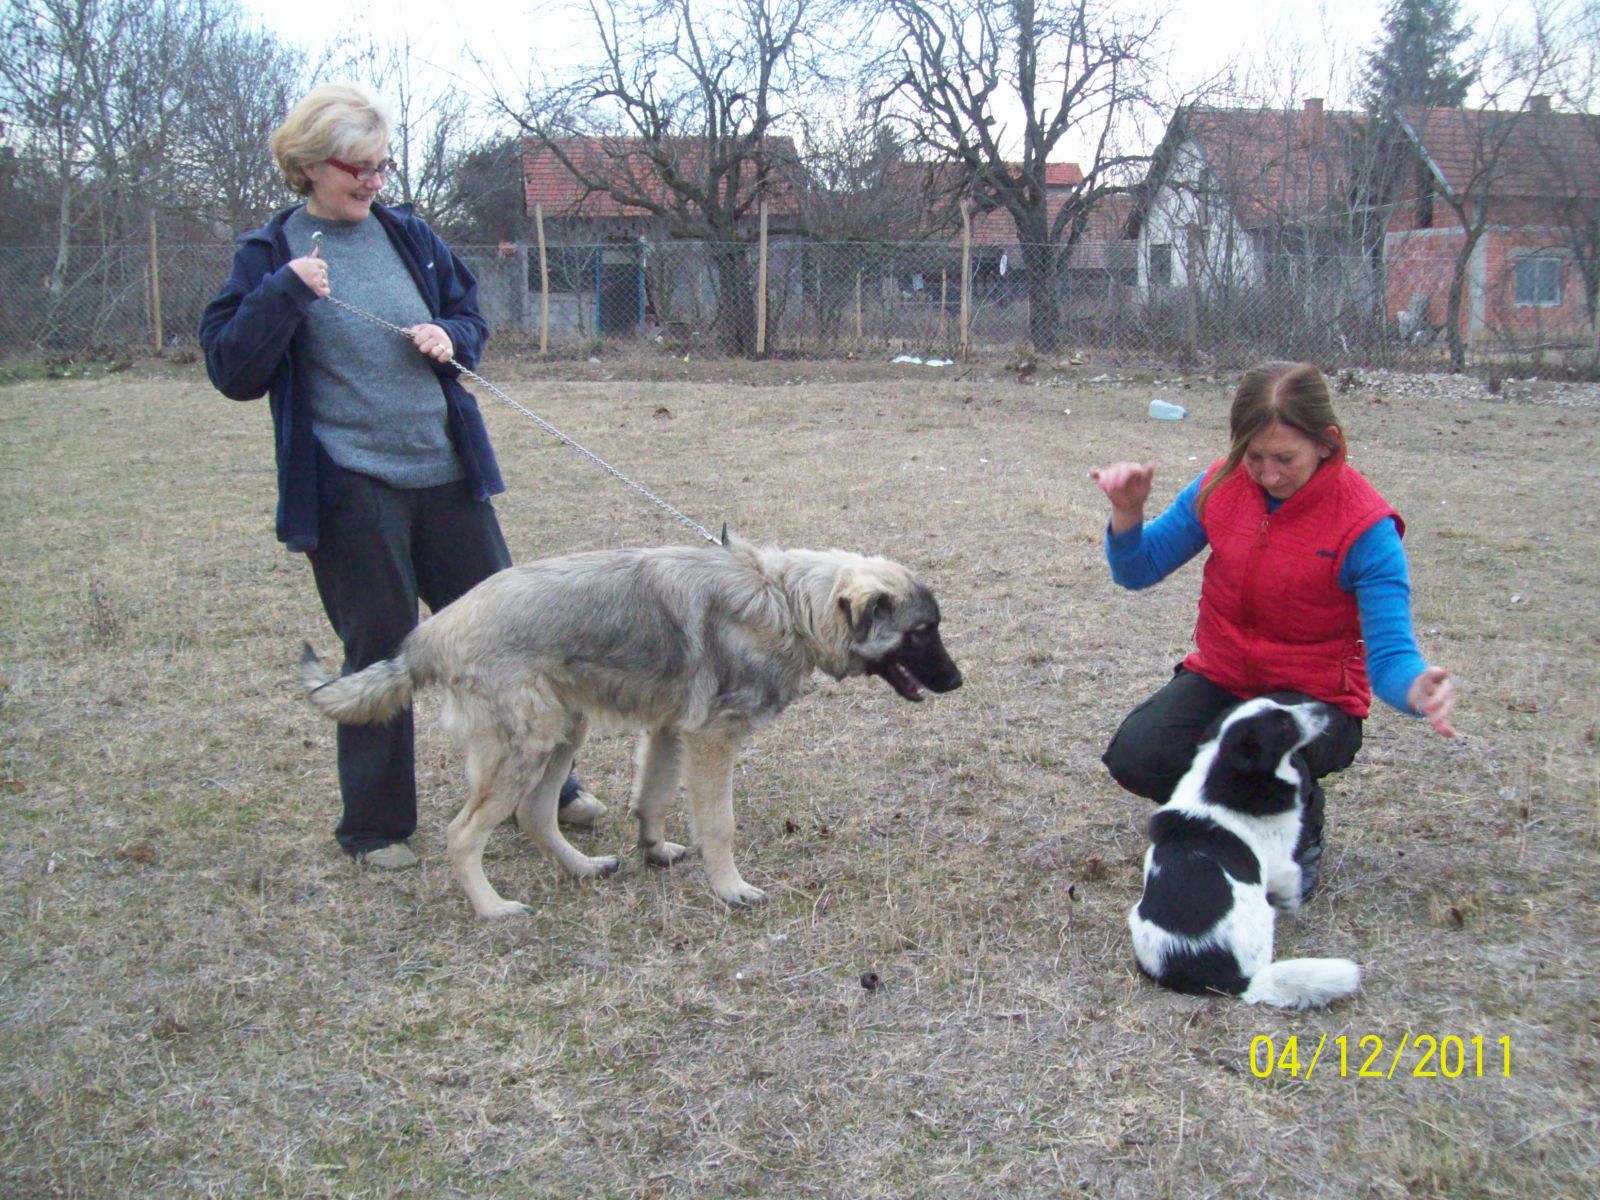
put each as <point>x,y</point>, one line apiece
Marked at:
<point>1272,615</point>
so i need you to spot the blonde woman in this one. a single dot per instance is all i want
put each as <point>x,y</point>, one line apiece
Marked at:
<point>385,470</point>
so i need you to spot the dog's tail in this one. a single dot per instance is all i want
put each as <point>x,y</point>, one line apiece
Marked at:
<point>363,698</point>
<point>1303,982</point>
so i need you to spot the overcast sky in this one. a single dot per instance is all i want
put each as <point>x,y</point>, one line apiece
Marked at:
<point>1294,48</point>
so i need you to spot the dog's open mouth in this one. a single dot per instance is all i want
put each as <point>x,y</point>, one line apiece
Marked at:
<point>902,680</point>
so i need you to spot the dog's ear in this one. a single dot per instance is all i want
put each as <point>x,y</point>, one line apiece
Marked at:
<point>1241,749</point>
<point>861,607</point>
<point>1255,746</point>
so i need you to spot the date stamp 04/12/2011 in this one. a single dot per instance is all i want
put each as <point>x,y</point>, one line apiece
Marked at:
<point>1415,1056</point>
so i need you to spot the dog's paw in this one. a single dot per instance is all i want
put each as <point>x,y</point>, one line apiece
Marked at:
<point>739,894</point>
<point>664,854</point>
<point>1287,903</point>
<point>505,908</point>
<point>605,867</point>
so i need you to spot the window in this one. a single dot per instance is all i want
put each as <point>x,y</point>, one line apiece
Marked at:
<point>1161,265</point>
<point>1538,282</point>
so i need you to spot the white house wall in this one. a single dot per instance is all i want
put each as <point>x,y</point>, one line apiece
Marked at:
<point>1228,251</point>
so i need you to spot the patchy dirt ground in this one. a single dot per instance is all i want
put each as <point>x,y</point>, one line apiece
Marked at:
<point>200,996</point>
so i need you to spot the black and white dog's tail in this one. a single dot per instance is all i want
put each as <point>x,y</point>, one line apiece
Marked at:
<point>1303,982</point>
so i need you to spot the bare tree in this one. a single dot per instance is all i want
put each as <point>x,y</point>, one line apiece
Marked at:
<point>862,185</point>
<point>1569,144</point>
<point>222,173</point>
<point>47,50</point>
<point>433,118</point>
<point>677,119</point>
<point>485,198</point>
<point>1471,162</point>
<point>1001,86</point>
<point>95,95</point>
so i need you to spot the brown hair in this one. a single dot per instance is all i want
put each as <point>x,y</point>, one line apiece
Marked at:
<point>1277,393</point>
<point>336,120</point>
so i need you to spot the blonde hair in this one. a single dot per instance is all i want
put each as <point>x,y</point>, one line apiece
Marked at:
<point>1277,393</point>
<point>336,120</point>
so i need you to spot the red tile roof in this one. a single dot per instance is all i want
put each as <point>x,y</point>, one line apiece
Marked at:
<point>1530,154</point>
<point>1274,166</point>
<point>623,165</point>
<point>996,228</point>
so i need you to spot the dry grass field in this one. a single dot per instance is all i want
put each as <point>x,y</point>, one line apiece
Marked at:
<point>200,996</point>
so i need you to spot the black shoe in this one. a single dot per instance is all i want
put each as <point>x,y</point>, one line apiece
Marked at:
<point>1309,855</point>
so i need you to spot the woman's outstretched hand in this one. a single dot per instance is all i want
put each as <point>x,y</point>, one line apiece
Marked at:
<point>1433,694</point>
<point>1127,486</point>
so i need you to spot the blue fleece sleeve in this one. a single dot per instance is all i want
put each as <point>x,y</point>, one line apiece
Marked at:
<point>1375,571</point>
<point>1148,553</point>
<point>246,330</point>
<point>458,313</point>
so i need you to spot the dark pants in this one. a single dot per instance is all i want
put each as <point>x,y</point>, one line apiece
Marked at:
<point>380,549</point>
<point>1156,742</point>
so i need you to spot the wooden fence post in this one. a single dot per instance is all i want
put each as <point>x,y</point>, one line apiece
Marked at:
<point>155,284</point>
<point>544,283</point>
<point>966,274</point>
<point>1194,251</point>
<point>944,295</point>
<point>761,287</point>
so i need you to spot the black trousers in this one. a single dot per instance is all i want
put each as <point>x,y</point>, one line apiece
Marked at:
<point>1155,744</point>
<point>381,549</point>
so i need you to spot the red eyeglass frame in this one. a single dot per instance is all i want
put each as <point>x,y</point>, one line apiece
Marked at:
<point>384,169</point>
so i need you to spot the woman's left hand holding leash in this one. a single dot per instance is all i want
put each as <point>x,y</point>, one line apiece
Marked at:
<point>432,341</point>
<point>1433,694</point>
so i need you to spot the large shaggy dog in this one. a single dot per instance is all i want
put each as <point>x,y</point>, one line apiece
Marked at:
<point>697,646</point>
<point>1221,858</point>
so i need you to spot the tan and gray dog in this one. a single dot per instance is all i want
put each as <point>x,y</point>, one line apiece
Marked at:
<point>696,646</point>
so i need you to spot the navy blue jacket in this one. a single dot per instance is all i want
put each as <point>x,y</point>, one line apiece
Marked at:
<point>248,332</point>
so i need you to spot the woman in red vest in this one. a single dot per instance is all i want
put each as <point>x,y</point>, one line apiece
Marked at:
<point>1305,594</point>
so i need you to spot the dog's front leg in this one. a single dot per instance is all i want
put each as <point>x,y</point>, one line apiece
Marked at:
<point>659,762</point>
<point>1283,885</point>
<point>711,757</point>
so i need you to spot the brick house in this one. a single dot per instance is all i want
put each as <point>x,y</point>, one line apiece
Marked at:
<point>1519,194</point>
<point>1102,259</point>
<point>617,266</point>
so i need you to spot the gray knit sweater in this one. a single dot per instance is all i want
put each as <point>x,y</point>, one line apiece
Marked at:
<point>376,404</point>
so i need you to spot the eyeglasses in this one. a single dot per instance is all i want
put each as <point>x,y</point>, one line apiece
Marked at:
<point>387,167</point>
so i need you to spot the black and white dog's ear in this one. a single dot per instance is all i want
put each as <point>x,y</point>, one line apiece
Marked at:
<point>1256,745</point>
<point>1241,749</point>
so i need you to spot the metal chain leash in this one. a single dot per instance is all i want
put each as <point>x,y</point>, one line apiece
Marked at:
<point>547,427</point>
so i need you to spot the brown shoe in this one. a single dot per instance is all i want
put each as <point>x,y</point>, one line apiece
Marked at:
<point>396,856</point>
<point>583,811</point>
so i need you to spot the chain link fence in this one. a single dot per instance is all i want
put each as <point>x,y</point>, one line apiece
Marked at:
<point>832,299</point>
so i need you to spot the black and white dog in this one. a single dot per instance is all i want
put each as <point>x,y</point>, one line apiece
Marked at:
<point>1222,856</point>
